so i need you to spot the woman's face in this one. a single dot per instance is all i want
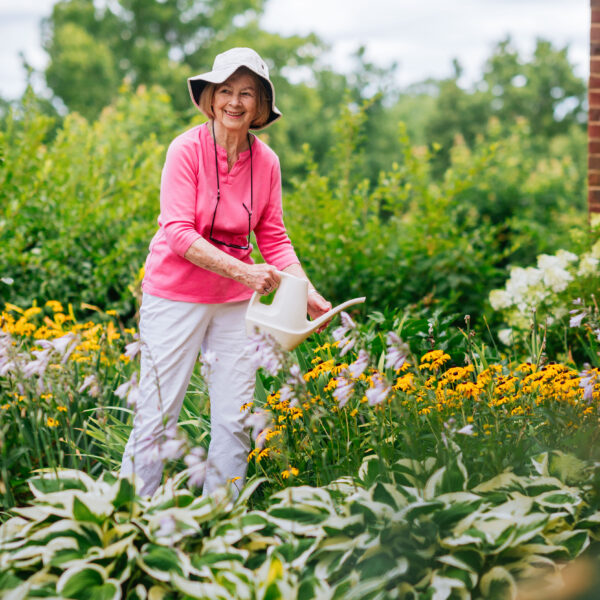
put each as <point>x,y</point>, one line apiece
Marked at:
<point>234,102</point>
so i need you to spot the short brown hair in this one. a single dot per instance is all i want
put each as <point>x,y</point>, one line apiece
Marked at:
<point>263,100</point>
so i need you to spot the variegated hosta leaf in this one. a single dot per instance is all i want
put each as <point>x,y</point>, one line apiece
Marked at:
<point>498,584</point>
<point>274,580</point>
<point>63,479</point>
<point>301,519</point>
<point>506,481</point>
<point>88,581</point>
<point>161,562</point>
<point>233,530</point>
<point>442,587</point>
<point>574,542</point>
<point>452,477</point>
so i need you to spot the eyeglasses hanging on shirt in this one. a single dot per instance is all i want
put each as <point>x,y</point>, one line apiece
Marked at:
<point>249,211</point>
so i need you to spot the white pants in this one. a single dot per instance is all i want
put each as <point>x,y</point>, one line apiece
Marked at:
<point>172,335</point>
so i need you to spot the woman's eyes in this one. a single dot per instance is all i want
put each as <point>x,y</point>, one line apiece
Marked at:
<point>248,94</point>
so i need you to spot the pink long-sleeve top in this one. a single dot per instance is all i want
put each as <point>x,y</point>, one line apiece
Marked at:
<point>188,195</point>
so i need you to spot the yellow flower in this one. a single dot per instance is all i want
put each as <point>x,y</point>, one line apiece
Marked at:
<point>111,333</point>
<point>294,471</point>
<point>354,412</point>
<point>51,422</point>
<point>5,406</point>
<point>285,474</point>
<point>55,306</point>
<point>263,454</point>
<point>61,408</point>
<point>12,307</point>
<point>112,313</point>
<point>246,406</point>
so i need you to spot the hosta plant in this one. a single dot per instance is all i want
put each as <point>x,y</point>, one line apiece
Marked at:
<point>407,531</point>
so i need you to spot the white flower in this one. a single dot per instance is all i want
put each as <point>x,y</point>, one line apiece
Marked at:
<point>397,351</point>
<point>39,365</point>
<point>466,430</point>
<point>557,279</point>
<point>90,383</point>
<point>133,348</point>
<point>500,299</point>
<point>588,266</point>
<point>575,320</point>
<point>347,322</point>
<point>129,389</point>
<point>343,390</point>
<point>506,336</point>
<point>378,393</point>
<point>257,421</point>
<point>167,526</point>
<point>359,365</point>
<point>7,280</point>
<point>346,345</point>
<point>266,353</point>
<point>196,463</point>
<point>587,382</point>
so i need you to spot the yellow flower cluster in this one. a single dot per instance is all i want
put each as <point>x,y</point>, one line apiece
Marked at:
<point>35,323</point>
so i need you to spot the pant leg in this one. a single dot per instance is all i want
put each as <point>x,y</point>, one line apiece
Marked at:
<point>231,384</point>
<point>171,334</point>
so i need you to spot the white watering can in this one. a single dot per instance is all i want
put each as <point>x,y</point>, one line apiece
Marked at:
<point>285,318</point>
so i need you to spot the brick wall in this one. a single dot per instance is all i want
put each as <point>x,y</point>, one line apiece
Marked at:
<point>594,112</point>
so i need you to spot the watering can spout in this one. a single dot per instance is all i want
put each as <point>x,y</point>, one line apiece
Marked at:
<point>285,318</point>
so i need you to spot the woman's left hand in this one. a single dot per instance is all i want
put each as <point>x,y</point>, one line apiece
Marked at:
<point>317,306</point>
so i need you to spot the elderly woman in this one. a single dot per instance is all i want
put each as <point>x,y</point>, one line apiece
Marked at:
<point>219,183</point>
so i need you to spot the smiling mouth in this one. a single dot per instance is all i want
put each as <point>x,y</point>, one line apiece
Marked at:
<point>230,114</point>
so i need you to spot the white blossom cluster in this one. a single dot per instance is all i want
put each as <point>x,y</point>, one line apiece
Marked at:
<point>538,289</point>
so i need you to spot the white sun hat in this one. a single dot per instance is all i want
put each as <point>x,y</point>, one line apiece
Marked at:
<point>225,65</point>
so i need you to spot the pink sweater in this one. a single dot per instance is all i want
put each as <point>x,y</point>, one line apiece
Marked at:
<point>188,194</point>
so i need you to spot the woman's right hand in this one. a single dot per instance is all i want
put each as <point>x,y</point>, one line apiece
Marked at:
<point>262,278</point>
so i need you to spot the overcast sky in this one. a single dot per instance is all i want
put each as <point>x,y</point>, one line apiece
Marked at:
<point>422,36</point>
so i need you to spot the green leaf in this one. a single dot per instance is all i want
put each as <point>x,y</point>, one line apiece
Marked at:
<point>575,542</point>
<point>498,584</point>
<point>125,494</point>
<point>82,513</point>
<point>161,562</point>
<point>81,581</point>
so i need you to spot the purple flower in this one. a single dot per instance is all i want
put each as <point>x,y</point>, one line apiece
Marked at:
<point>575,320</point>
<point>266,353</point>
<point>347,322</point>
<point>257,421</point>
<point>378,393</point>
<point>587,382</point>
<point>286,393</point>
<point>343,390</point>
<point>39,365</point>
<point>466,430</point>
<point>90,383</point>
<point>132,349</point>
<point>129,389</point>
<point>172,448</point>
<point>59,344</point>
<point>346,345</point>
<point>397,351</point>
<point>359,365</point>
<point>167,526</point>
<point>196,464</point>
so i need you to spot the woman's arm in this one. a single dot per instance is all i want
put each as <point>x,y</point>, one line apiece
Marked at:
<point>259,277</point>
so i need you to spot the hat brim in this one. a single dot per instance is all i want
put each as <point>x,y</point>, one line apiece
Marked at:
<point>197,83</point>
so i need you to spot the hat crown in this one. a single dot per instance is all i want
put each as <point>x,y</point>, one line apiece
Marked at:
<point>241,57</point>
